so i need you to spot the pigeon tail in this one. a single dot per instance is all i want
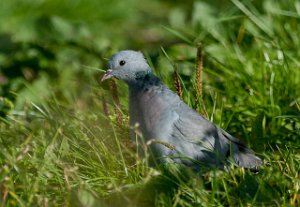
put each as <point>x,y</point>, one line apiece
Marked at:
<point>245,157</point>
<point>240,153</point>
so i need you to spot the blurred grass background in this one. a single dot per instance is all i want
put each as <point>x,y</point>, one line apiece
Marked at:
<point>64,136</point>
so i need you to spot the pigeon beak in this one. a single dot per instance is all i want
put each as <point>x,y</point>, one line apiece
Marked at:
<point>107,75</point>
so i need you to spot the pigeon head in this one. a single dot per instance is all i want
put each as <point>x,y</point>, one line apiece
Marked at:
<point>127,65</point>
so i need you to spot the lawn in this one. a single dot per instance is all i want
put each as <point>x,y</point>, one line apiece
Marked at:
<point>64,135</point>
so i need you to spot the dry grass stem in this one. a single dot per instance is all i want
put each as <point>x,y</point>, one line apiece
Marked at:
<point>177,83</point>
<point>199,69</point>
<point>114,92</point>
<point>4,196</point>
<point>199,85</point>
<point>104,106</point>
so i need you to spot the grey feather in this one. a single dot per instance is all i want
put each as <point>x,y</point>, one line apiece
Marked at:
<point>163,117</point>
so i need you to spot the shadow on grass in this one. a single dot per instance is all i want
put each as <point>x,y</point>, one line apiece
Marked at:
<point>146,193</point>
<point>149,191</point>
<point>163,189</point>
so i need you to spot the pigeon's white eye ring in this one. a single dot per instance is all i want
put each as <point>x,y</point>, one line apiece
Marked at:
<point>122,62</point>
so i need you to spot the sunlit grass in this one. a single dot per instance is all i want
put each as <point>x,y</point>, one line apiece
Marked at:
<point>65,138</point>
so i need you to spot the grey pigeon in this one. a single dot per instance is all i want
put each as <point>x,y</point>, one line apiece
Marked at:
<point>173,131</point>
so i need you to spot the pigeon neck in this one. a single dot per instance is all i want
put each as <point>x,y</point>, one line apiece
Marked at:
<point>143,79</point>
<point>141,75</point>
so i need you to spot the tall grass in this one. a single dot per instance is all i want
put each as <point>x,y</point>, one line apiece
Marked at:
<point>63,144</point>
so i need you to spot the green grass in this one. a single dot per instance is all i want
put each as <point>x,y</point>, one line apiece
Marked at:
<point>63,142</point>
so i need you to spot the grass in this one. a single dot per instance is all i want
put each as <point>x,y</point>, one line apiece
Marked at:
<point>65,138</point>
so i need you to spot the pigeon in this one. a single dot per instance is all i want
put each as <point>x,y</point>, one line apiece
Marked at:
<point>173,131</point>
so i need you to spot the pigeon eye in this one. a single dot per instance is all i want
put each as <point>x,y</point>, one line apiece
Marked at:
<point>122,62</point>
